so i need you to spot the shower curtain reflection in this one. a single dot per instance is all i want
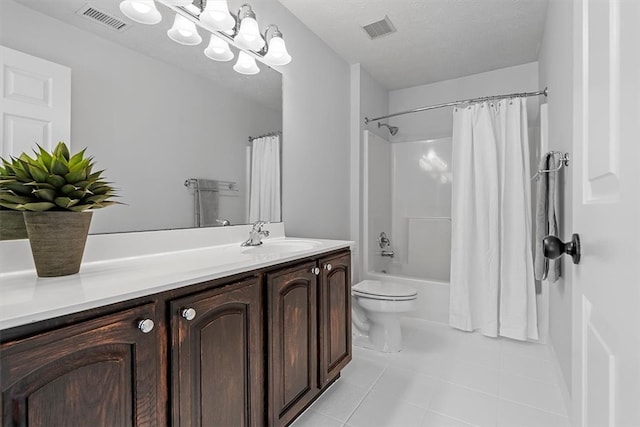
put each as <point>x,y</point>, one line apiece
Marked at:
<point>264,202</point>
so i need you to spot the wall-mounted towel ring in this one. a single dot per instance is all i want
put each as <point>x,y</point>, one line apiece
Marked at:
<point>554,247</point>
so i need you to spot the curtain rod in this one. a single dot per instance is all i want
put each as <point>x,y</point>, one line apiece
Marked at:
<point>275,133</point>
<point>544,92</point>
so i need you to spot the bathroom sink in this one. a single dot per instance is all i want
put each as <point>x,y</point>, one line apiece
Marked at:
<point>282,246</point>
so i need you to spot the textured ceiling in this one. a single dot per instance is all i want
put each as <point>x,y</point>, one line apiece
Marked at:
<point>264,88</point>
<point>436,39</point>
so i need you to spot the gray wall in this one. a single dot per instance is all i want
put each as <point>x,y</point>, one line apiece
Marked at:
<point>556,72</point>
<point>439,123</point>
<point>150,124</point>
<point>316,151</point>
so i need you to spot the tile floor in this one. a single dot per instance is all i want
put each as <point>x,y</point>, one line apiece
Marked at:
<point>444,377</point>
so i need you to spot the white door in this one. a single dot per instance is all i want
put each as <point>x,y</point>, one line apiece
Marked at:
<point>606,213</point>
<point>35,106</point>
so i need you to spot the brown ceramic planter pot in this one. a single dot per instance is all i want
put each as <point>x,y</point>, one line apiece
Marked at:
<point>57,240</point>
<point>12,225</point>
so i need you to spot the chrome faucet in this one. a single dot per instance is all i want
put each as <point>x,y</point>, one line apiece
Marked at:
<point>256,234</point>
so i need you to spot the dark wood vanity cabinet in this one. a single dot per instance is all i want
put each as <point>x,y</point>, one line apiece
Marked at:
<point>334,309</point>
<point>217,357</point>
<point>292,341</point>
<point>309,333</point>
<point>209,354</point>
<point>101,372</point>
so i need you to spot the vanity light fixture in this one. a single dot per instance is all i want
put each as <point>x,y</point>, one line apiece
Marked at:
<point>184,32</point>
<point>276,49</point>
<point>141,11</point>
<point>216,15</point>
<point>248,36</point>
<point>226,29</point>
<point>218,49</point>
<point>246,64</point>
<point>179,2</point>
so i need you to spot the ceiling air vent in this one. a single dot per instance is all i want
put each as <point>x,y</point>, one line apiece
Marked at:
<point>103,18</point>
<point>379,28</point>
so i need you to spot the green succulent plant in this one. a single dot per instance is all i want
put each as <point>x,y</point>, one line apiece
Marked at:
<point>54,181</point>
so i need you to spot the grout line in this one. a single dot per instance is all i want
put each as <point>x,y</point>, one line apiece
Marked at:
<point>365,395</point>
<point>453,418</point>
<point>534,407</point>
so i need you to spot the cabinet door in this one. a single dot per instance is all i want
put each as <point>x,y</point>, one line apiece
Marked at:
<point>102,372</point>
<point>217,360</point>
<point>292,329</point>
<point>334,316</point>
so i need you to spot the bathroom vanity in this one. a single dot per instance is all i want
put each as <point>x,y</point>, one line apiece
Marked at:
<point>210,336</point>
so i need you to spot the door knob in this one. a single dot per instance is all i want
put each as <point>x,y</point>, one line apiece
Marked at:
<point>554,247</point>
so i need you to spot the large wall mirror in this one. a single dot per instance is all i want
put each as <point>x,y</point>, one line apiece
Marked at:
<point>153,113</point>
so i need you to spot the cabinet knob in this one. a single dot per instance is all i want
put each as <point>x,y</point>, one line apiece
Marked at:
<point>146,325</point>
<point>328,267</point>
<point>188,313</point>
<point>315,270</point>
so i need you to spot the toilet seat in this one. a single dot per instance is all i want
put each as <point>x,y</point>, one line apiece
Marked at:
<point>374,289</point>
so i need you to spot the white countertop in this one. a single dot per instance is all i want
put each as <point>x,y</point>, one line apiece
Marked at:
<point>26,298</point>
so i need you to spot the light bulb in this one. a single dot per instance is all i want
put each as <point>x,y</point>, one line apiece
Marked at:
<point>142,11</point>
<point>246,64</point>
<point>218,49</point>
<point>249,35</point>
<point>216,15</point>
<point>277,53</point>
<point>184,32</point>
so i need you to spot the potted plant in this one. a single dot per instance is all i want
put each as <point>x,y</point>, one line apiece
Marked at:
<point>57,193</point>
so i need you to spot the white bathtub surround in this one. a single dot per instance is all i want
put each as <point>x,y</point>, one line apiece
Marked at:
<point>123,266</point>
<point>492,283</point>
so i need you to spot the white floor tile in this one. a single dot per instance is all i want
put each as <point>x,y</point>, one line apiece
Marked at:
<point>444,377</point>
<point>540,395</point>
<point>406,386</point>
<point>477,377</point>
<point>362,372</point>
<point>511,414</point>
<point>381,409</point>
<point>340,401</point>
<point>525,349</point>
<point>314,419</point>
<point>431,419</point>
<point>530,367</point>
<point>464,404</point>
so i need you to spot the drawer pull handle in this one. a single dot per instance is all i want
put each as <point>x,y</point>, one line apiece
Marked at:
<point>328,267</point>
<point>315,270</point>
<point>146,325</point>
<point>188,313</point>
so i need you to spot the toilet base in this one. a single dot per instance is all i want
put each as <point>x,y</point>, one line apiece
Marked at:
<point>385,334</point>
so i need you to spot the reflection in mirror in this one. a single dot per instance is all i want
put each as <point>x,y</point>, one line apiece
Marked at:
<point>156,115</point>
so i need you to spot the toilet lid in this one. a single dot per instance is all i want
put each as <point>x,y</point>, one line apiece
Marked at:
<point>377,289</point>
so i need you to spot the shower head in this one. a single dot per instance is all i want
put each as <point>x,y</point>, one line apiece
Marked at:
<point>393,130</point>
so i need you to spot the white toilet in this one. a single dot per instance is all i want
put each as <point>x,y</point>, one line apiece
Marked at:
<point>376,313</point>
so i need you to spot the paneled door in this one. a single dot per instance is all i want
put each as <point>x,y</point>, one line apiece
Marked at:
<point>35,102</point>
<point>606,213</point>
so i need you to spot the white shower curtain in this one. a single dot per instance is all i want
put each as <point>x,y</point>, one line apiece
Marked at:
<point>264,201</point>
<point>492,282</point>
